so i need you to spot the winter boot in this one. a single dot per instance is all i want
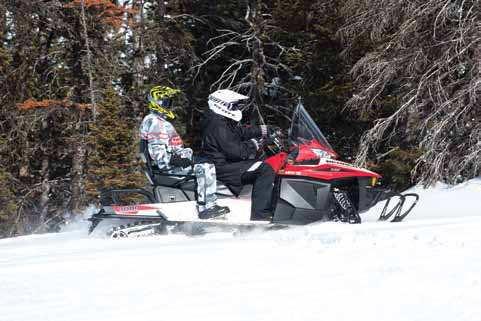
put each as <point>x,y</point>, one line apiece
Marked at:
<point>215,211</point>
<point>263,217</point>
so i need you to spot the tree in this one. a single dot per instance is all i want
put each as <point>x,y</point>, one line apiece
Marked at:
<point>8,206</point>
<point>113,141</point>
<point>420,80</point>
<point>45,132</point>
<point>250,55</point>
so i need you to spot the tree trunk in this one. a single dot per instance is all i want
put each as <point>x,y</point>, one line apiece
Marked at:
<point>3,21</point>
<point>138,42</point>
<point>139,53</point>
<point>255,20</point>
<point>45,184</point>
<point>44,197</point>
<point>89,60</point>
<point>161,9</point>
<point>77,170</point>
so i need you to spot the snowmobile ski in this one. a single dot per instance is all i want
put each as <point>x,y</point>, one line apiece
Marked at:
<point>397,210</point>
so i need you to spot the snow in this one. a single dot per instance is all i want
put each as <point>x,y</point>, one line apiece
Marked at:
<point>426,268</point>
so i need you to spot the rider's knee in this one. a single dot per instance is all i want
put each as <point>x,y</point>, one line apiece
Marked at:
<point>267,171</point>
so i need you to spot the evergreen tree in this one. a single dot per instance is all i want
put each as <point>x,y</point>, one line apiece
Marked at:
<point>419,79</point>
<point>8,207</point>
<point>406,69</point>
<point>113,144</point>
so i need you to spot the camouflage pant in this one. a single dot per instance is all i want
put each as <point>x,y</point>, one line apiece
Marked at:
<point>206,184</point>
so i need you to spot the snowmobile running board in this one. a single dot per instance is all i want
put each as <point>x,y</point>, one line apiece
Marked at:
<point>158,224</point>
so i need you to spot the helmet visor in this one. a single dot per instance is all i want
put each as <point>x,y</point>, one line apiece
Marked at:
<point>164,102</point>
<point>240,105</point>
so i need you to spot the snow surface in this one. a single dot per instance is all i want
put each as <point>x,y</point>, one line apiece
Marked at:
<point>426,268</point>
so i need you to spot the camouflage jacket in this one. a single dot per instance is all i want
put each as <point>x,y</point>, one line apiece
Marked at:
<point>163,140</point>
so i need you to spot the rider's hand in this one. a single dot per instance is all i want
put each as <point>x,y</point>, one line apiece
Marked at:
<point>263,142</point>
<point>267,141</point>
<point>275,131</point>
<point>177,161</point>
<point>269,131</point>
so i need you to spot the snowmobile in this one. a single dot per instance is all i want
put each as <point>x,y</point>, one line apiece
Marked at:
<point>311,185</point>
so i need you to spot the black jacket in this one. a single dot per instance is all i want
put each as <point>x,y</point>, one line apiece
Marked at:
<point>228,145</point>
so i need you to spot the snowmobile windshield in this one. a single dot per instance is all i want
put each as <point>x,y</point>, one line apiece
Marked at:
<point>304,131</point>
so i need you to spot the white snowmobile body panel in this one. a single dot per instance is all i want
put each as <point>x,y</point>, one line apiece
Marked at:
<point>187,211</point>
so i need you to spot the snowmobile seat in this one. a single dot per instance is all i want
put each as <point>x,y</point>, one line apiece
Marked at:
<point>157,177</point>
<point>185,183</point>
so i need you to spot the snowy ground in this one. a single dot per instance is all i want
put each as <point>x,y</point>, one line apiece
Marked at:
<point>426,268</point>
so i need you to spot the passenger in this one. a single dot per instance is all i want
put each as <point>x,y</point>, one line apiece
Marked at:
<point>167,151</point>
<point>233,148</point>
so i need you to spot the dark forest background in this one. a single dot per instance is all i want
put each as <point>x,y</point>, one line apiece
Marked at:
<point>394,85</point>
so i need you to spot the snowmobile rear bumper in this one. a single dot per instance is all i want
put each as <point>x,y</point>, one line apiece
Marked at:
<point>97,218</point>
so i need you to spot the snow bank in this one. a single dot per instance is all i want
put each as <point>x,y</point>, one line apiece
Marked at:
<point>442,201</point>
<point>449,201</point>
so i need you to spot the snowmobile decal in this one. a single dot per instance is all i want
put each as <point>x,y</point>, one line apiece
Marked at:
<point>134,209</point>
<point>294,173</point>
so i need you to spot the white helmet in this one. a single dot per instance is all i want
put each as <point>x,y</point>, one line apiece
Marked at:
<point>227,103</point>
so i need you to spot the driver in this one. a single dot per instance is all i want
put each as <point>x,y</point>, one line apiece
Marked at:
<point>233,148</point>
<point>167,150</point>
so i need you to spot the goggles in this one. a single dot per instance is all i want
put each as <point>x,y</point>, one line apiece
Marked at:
<point>165,102</point>
<point>240,105</point>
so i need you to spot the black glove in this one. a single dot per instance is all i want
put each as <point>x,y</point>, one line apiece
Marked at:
<point>275,131</point>
<point>267,141</point>
<point>177,161</point>
<point>260,144</point>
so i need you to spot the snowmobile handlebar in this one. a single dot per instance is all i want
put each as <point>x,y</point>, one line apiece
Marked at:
<point>273,145</point>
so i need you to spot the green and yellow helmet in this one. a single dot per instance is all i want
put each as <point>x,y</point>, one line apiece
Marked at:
<point>160,100</point>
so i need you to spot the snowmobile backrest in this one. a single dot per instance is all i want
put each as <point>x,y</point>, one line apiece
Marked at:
<point>144,150</point>
<point>115,196</point>
<point>184,183</point>
<point>157,177</point>
<point>145,157</point>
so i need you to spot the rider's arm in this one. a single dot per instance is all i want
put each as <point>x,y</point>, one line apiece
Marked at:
<point>249,132</point>
<point>243,151</point>
<point>232,148</point>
